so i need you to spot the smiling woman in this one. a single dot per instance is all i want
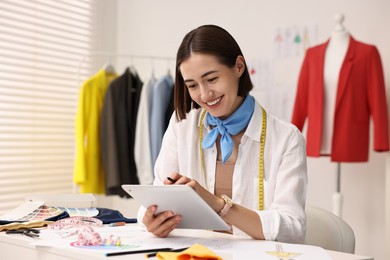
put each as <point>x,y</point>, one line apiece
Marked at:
<point>41,43</point>
<point>217,143</point>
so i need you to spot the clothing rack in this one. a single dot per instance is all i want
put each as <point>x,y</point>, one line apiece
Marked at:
<point>122,55</point>
<point>125,55</point>
<point>114,55</point>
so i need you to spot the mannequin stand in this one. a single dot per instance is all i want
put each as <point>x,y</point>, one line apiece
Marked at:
<point>337,196</point>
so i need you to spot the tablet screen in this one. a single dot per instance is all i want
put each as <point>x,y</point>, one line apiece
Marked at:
<point>180,199</point>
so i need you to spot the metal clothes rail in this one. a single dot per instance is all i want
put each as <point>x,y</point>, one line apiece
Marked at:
<point>116,55</point>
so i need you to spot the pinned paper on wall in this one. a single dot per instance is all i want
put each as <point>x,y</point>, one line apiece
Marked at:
<point>261,73</point>
<point>273,92</point>
<point>292,41</point>
<point>274,79</point>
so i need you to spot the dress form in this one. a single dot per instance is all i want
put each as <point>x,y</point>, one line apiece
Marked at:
<point>334,58</point>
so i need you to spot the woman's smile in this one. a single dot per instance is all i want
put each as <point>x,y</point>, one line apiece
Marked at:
<point>214,103</point>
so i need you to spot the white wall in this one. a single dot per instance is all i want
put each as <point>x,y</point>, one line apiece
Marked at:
<point>156,28</point>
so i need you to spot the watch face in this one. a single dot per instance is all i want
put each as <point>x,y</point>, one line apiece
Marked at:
<point>227,199</point>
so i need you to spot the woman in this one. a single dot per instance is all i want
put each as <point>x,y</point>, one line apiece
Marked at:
<point>251,168</point>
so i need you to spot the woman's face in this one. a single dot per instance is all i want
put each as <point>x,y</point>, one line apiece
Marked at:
<point>212,85</point>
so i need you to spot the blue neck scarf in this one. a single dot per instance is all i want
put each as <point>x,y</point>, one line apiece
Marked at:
<point>230,126</point>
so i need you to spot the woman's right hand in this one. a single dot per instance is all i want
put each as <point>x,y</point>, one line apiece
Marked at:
<point>160,225</point>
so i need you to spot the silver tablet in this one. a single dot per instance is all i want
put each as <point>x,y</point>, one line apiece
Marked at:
<point>180,199</point>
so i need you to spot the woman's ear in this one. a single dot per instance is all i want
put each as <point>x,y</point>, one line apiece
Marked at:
<point>240,65</point>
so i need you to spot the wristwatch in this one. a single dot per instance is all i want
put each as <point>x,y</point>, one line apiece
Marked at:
<point>228,204</point>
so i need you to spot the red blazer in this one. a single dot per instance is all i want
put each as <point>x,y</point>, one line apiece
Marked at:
<point>360,94</point>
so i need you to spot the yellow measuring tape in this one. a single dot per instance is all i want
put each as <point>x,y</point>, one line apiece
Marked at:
<point>261,160</point>
<point>200,146</point>
<point>261,157</point>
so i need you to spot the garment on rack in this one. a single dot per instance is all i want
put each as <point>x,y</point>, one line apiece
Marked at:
<point>169,111</point>
<point>162,93</point>
<point>88,169</point>
<point>117,132</point>
<point>142,152</point>
<point>360,94</point>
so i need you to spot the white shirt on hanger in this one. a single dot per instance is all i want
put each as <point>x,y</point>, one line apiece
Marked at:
<point>142,152</point>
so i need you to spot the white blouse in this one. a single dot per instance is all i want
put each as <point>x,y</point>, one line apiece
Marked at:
<point>285,170</point>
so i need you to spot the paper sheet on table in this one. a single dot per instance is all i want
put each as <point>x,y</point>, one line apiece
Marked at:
<point>134,237</point>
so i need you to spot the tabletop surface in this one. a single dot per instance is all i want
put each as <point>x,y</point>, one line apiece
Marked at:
<point>50,245</point>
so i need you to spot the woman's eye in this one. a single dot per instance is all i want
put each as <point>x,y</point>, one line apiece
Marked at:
<point>212,80</point>
<point>191,85</point>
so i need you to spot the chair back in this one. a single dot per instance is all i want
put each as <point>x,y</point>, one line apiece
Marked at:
<point>328,231</point>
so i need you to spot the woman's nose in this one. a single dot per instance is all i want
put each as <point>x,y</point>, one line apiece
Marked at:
<point>205,92</point>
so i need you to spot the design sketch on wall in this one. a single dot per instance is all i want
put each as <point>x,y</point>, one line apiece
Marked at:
<point>274,79</point>
<point>292,41</point>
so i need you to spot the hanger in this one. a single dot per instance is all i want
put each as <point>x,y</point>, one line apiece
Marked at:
<point>109,68</point>
<point>131,67</point>
<point>133,70</point>
<point>169,69</point>
<point>152,65</point>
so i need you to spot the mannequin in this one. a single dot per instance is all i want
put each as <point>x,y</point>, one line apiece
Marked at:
<point>347,75</point>
<point>334,57</point>
<point>340,91</point>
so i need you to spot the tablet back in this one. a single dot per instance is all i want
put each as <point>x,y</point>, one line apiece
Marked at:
<point>180,199</point>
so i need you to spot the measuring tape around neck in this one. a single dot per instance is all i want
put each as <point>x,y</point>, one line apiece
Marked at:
<point>261,154</point>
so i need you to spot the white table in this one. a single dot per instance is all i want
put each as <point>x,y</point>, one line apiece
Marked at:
<point>227,246</point>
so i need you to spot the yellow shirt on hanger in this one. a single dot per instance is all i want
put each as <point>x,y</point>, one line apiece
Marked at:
<point>88,168</point>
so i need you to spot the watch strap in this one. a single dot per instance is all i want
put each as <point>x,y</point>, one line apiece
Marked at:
<point>228,204</point>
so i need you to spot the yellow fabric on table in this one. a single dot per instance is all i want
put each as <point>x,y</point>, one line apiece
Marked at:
<point>195,252</point>
<point>22,225</point>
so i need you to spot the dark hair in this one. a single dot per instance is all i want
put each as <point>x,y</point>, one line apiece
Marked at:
<point>207,39</point>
